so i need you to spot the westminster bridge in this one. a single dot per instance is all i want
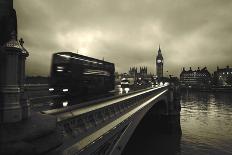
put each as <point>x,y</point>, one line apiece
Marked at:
<point>101,126</point>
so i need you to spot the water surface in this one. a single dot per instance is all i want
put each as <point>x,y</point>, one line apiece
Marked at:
<point>206,129</point>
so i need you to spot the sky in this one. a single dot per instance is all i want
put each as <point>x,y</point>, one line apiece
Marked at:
<point>191,33</point>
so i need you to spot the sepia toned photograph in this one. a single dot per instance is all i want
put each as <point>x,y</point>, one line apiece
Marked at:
<point>115,77</point>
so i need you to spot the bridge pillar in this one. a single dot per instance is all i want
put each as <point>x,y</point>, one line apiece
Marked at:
<point>166,112</point>
<point>20,132</point>
<point>174,100</point>
<point>173,117</point>
<point>13,104</point>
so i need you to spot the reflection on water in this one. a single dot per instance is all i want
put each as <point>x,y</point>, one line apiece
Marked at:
<point>206,123</point>
<point>206,129</point>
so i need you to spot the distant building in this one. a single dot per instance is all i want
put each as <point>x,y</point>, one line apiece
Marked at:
<point>140,74</point>
<point>195,78</point>
<point>223,76</point>
<point>159,64</point>
<point>133,72</point>
<point>143,71</point>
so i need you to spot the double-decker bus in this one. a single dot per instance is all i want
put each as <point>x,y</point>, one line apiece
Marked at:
<point>79,76</point>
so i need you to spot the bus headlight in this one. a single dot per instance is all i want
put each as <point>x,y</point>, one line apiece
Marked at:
<point>65,90</point>
<point>65,104</point>
<point>51,89</point>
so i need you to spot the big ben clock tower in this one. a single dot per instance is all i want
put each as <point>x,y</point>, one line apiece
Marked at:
<point>159,64</point>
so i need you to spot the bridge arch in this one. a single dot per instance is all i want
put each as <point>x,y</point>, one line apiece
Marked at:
<point>158,108</point>
<point>156,111</point>
<point>155,123</point>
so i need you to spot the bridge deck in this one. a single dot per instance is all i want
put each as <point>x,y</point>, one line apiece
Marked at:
<point>92,138</point>
<point>84,126</point>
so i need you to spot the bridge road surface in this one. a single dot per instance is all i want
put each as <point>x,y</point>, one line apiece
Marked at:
<point>41,99</point>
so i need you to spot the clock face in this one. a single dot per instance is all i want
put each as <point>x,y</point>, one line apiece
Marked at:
<point>159,61</point>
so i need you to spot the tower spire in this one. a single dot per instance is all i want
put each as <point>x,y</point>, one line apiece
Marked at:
<point>159,51</point>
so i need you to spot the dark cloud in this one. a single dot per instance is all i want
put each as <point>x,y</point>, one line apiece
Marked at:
<point>128,32</point>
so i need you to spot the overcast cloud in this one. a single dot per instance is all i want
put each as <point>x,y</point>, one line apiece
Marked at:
<point>128,32</point>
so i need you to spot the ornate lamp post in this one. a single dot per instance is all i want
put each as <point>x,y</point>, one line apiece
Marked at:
<point>13,103</point>
<point>15,128</point>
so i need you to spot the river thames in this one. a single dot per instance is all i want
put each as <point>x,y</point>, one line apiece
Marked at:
<point>206,129</point>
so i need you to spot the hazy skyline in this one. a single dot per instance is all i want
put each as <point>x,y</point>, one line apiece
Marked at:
<point>128,32</point>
